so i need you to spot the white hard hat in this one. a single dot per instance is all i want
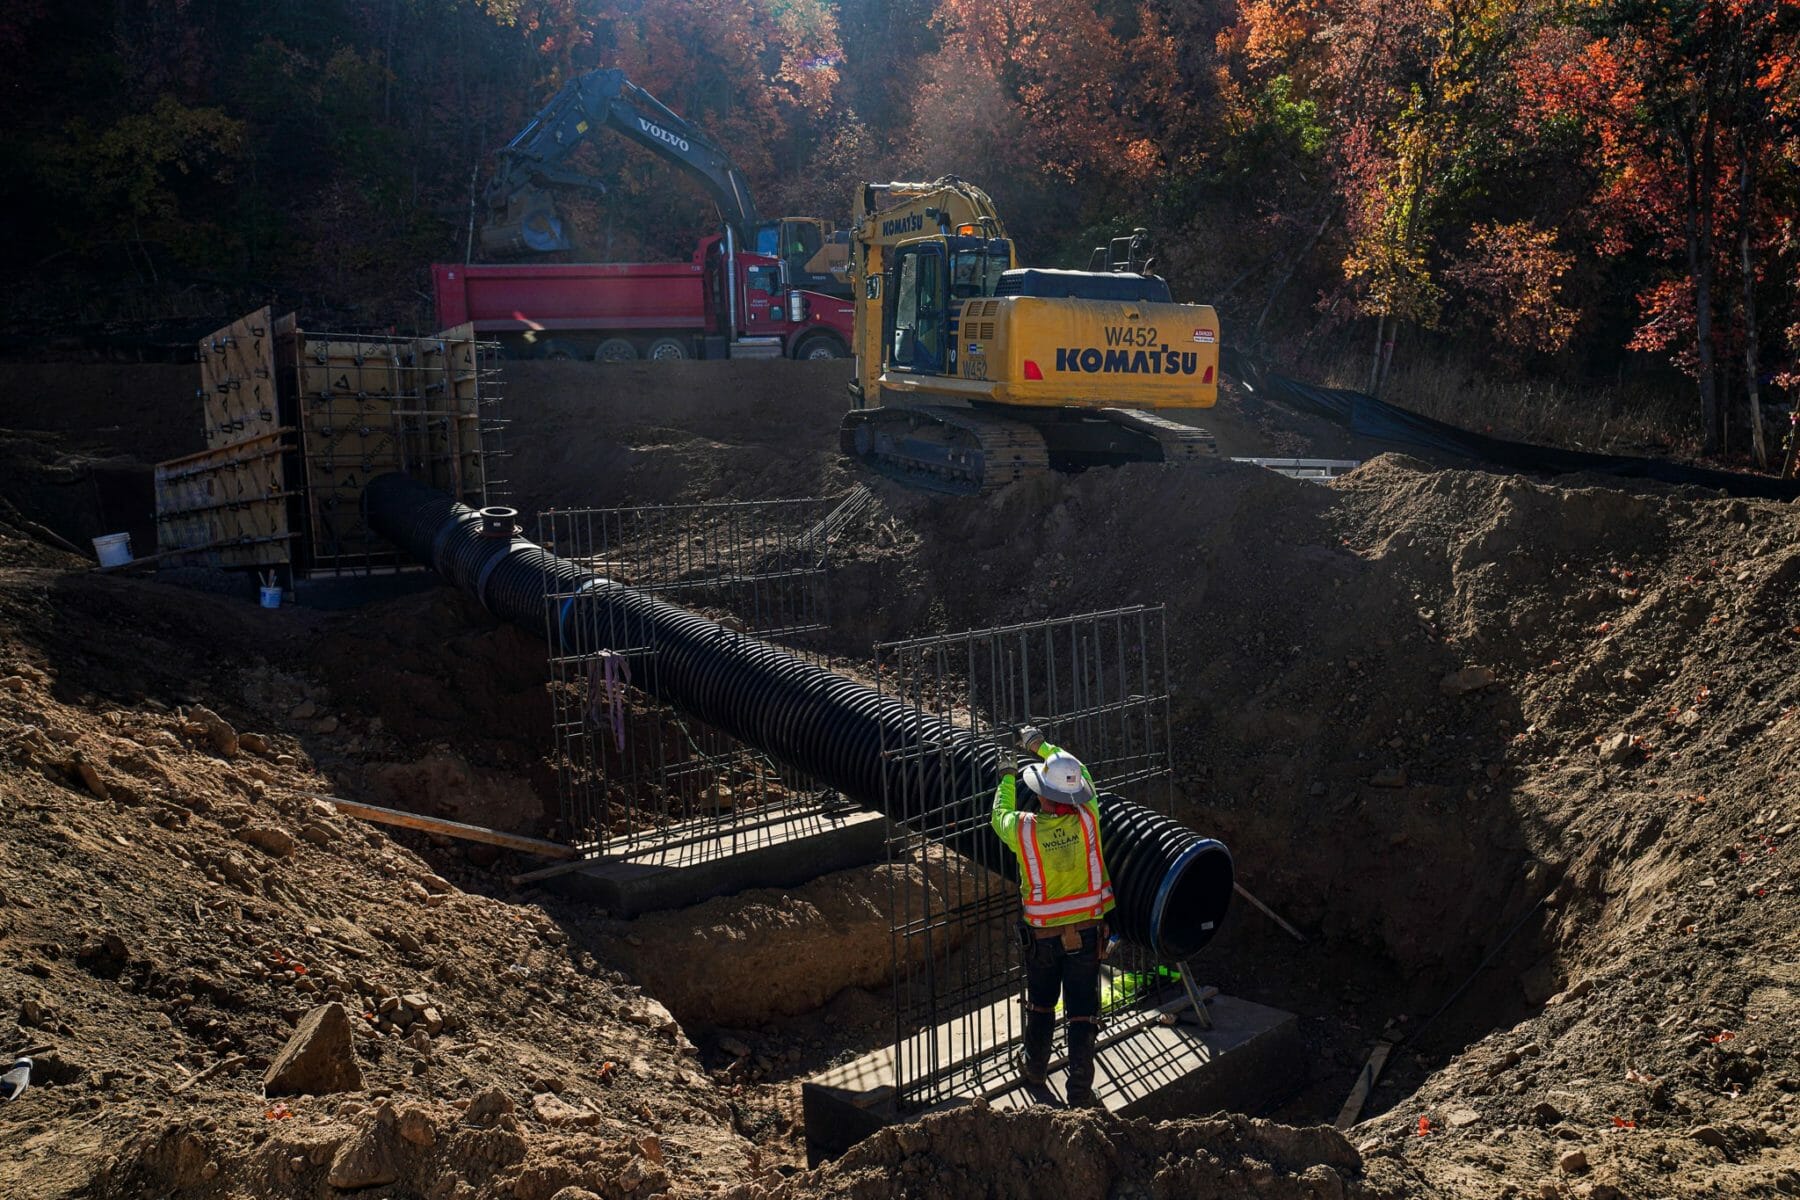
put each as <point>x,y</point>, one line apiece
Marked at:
<point>1059,779</point>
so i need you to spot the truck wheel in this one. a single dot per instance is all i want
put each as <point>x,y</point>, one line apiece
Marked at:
<point>820,345</point>
<point>554,348</point>
<point>667,349</point>
<point>615,350</point>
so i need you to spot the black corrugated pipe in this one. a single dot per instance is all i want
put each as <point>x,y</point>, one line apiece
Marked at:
<point>1173,885</point>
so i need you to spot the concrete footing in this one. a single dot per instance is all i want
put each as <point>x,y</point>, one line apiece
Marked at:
<point>1250,1058</point>
<point>687,866</point>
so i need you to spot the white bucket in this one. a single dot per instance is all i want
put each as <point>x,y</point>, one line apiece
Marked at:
<point>271,597</point>
<point>114,549</point>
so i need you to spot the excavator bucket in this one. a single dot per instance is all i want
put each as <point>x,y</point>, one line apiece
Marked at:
<point>528,221</point>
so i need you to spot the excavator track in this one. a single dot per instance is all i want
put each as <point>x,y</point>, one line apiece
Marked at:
<point>942,449</point>
<point>1180,443</point>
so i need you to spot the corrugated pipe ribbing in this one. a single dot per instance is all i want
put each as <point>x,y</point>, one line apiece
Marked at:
<point>1173,886</point>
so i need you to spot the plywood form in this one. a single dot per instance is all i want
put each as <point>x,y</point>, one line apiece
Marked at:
<point>237,381</point>
<point>320,416</point>
<point>227,506</point>
<point>443,429</point>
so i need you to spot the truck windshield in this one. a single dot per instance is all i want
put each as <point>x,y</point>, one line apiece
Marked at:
<point>975,273</point>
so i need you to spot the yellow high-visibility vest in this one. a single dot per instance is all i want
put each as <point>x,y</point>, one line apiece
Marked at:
<point>1062,872</point>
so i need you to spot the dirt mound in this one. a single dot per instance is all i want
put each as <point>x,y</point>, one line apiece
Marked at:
<point>770,953</point>
<point>172,904</point>
<point>977,1153</point>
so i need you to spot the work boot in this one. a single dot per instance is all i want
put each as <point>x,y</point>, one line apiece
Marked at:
<point>1082,1035</point>
<point>1034,1062</point>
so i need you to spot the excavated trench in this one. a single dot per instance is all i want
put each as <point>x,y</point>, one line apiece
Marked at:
<point>1296,710</point>
<point>1387,699</point>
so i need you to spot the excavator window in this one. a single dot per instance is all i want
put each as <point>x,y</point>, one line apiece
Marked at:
<point>803,239</point>
<point>975,273</point>
<point>916,341</point>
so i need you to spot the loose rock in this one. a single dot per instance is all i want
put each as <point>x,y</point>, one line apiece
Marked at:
<point>1469,679</point>
<point>219,732</point>
<point>319,1059</point>
<point>268,839</point>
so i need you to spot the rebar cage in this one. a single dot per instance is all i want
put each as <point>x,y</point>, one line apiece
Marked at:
<point>635,778</point>
<point>1094,684</point>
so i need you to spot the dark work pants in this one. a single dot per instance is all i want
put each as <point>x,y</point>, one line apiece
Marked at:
<point>1074,975</point>
<point>1051,971</point>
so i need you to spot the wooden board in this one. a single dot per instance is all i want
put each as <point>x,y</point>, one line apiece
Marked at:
<point>237,381</point>
<point>448,828</point>
<point>1365,1083</point>
<point>227,506</point>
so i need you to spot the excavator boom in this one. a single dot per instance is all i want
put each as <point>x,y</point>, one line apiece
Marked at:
<point>522,217</point>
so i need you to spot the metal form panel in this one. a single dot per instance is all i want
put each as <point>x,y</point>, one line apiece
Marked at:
<point>638,781</point>
<point>1096,685</point>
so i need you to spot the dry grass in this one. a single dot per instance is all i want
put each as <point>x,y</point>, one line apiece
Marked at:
<point>1633,419</point>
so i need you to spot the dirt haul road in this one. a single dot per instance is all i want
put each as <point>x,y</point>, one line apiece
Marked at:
<point>1426,708</point>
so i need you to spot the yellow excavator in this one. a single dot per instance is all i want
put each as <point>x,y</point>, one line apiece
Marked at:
<point>972,373</point>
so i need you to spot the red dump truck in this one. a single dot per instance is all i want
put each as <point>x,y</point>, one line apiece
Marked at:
<point>615,312</point>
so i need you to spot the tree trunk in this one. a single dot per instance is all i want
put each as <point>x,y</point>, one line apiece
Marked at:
<point>1287,272</point>
<point>1746,214</point>
<point>1375,359</point>
<point>1697,168</point>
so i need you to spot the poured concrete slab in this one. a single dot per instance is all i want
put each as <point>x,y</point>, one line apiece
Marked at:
<point>1250,1058</point>
<point>690,865</point>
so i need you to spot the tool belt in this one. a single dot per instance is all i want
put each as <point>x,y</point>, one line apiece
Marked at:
<point>1069,935</point>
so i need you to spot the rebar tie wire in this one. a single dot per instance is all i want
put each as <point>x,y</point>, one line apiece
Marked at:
<point>607,674</point>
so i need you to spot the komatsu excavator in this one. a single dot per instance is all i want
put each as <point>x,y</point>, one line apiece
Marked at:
<point>972,373</point>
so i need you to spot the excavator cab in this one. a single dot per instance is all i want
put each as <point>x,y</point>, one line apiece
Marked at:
<point>929,279</point>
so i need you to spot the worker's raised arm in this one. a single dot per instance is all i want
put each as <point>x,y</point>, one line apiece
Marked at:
<point>1006,817</point>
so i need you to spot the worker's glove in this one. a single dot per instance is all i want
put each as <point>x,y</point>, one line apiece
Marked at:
<point>1005,763</point>
<point>1031,737</point>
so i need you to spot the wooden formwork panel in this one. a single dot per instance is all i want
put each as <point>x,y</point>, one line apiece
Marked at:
<point>443,429</point>
<point>237,381</point>
<point>347,396</point>
<point>226,506</point>
<point>316,418</point>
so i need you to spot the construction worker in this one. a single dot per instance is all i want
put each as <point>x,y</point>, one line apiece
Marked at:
<point>1067,894</point>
